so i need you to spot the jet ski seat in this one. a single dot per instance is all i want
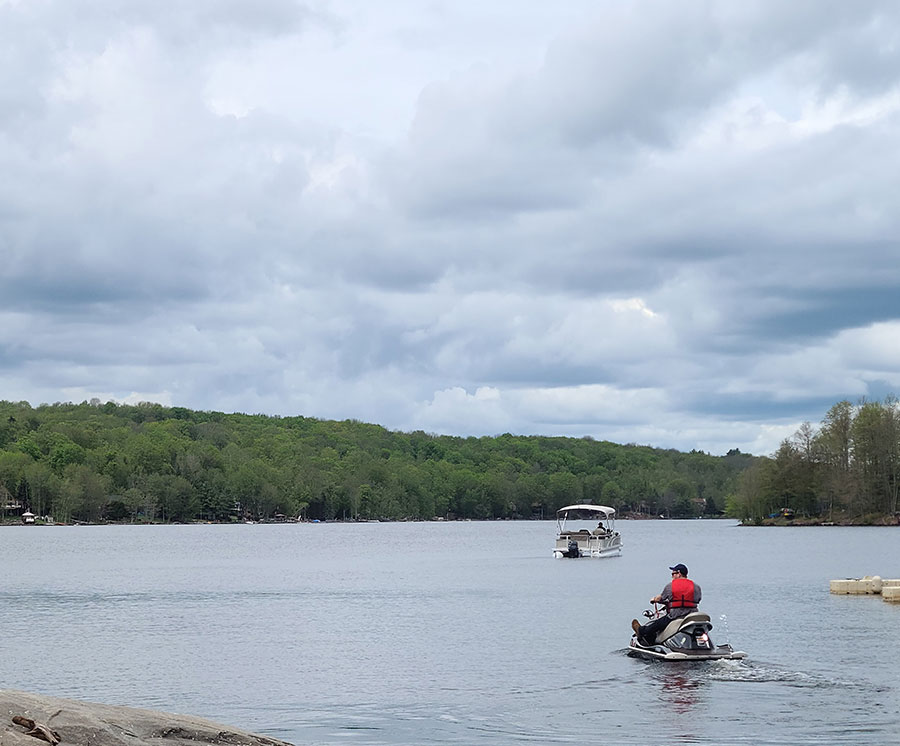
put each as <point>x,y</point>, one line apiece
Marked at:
<point>695,617</point>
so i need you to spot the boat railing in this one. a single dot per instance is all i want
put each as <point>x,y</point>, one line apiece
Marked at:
<point>584,538</point>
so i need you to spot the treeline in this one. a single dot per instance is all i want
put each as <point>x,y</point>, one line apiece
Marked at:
<point>94,462</point>
<point>846,469</point>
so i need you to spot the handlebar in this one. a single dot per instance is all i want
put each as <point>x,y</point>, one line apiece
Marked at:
<point>660,608</point>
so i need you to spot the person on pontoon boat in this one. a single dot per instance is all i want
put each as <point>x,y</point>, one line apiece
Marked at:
<point>681,597</point>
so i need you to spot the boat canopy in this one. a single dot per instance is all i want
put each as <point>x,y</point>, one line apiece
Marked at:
<point>585,512</point>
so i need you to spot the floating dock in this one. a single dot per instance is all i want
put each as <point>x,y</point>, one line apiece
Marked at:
<point>869,585</point>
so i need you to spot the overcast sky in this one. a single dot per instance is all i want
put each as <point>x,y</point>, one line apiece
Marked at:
<point>664,223</point>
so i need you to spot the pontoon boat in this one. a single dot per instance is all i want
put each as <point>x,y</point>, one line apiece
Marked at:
<point>586,531</point>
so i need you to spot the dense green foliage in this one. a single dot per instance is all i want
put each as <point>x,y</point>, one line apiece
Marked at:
<point>94,461</point>
<point>849,468</point>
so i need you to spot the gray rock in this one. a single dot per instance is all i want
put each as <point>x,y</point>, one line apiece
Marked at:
<point>87,724</point>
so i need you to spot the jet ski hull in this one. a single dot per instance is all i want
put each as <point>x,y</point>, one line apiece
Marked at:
<point>662,653</point>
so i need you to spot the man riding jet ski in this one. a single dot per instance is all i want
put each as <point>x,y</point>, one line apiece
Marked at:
<point>682,632</point>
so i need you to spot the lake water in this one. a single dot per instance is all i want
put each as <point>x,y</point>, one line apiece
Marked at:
<point>455,633</point>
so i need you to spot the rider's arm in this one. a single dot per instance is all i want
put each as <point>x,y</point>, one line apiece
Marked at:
<point>665,597</point>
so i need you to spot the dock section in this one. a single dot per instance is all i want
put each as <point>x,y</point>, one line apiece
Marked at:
<point>869,585</point>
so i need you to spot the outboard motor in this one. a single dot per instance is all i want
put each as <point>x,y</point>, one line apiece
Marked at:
<point>573,549</point>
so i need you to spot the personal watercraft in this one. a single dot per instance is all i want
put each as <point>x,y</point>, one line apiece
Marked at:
<point>683,639</point>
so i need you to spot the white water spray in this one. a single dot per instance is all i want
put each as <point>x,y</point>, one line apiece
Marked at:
<point>723,626</point>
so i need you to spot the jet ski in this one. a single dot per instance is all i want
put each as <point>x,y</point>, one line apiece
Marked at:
<point>684,639</point>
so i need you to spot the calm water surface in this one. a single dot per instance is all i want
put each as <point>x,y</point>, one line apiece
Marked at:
<point>455,633</point>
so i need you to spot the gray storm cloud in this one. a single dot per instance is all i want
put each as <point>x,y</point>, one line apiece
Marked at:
<point>644,223</point>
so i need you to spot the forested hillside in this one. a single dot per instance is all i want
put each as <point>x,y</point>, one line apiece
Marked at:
<point>847,470</point>
<point>93,461</point>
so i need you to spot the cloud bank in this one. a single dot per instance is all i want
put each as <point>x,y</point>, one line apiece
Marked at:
<point>664,224</point>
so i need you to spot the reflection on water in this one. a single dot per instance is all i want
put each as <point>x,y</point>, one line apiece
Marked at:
<point>453,633</point>
<point>679,691</point>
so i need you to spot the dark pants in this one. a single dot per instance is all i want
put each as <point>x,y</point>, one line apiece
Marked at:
<point>649,631</point>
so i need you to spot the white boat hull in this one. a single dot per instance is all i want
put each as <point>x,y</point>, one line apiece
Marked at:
<point>588,548</point>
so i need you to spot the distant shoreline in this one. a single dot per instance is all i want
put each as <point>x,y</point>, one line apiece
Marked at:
<point>15,521</point>
<point>869,520</point>
<point>883,520</point>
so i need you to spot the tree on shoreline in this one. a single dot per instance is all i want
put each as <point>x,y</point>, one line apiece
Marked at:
<point>849,467</point>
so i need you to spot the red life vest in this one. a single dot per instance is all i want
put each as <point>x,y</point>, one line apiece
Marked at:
<point>683,593</point>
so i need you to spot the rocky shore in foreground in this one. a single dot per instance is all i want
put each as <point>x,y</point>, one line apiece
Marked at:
<point>37,720</point>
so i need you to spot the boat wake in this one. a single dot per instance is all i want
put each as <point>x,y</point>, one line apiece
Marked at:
<point>754,671</point>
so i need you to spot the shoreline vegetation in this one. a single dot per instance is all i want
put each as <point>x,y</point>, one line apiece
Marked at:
<point>99,463</point>
<point>846,471</point>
